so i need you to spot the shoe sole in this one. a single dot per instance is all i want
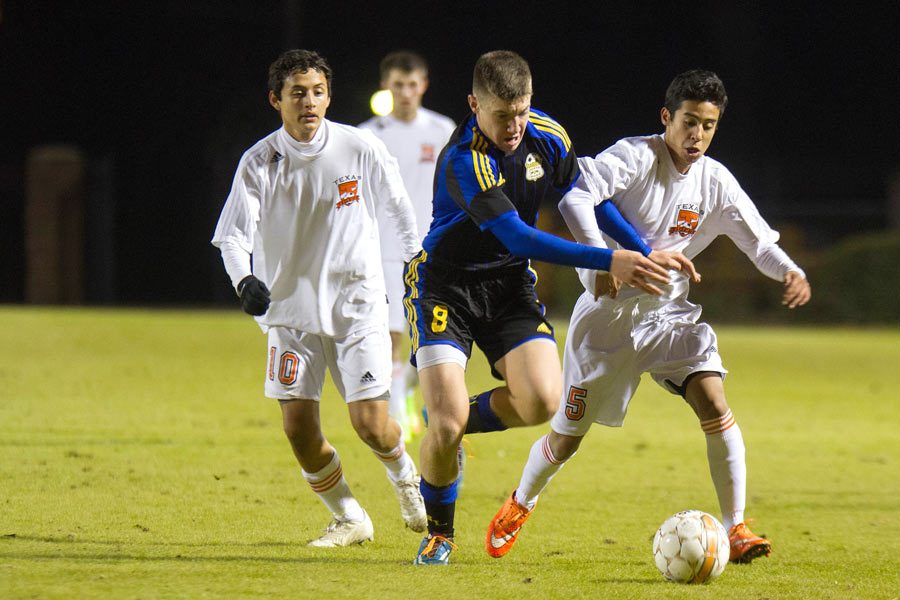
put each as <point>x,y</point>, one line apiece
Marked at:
<point>753,553</point>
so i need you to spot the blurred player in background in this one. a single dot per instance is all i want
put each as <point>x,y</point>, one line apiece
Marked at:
<point>414,135</point>
<point>473,281</point>
<point>677,199</point>
<point>303,205</point>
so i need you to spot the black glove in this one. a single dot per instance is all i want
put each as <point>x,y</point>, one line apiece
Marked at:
<point>254,296</point>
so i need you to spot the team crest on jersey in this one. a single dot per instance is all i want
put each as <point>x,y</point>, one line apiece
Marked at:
<point>686,220</point>
<point>348,190</point>
<point>533,168</point>
<point>427,153</point>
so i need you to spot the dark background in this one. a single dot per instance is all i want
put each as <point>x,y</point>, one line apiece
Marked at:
<point>162,98</point>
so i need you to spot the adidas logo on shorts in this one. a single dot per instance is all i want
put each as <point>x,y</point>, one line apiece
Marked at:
<point>367,378</point>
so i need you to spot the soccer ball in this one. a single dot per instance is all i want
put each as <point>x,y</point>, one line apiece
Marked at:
<point>691,547</point>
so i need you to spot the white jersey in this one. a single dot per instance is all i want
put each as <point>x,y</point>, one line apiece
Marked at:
<point>308,219</point>
<point>416,146</point>
<point>670,210</point>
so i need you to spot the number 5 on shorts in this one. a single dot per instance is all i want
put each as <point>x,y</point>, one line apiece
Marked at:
<point>575,403</point>
<point>439,320</point>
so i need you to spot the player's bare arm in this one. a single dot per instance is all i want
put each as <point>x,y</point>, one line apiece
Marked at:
<point>797,290</point>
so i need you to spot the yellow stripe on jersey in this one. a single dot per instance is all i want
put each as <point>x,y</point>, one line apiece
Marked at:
<point>476,158</point>
<point>485,163</point>
<point>550,126</point>
<point>481,162</point>
<point>412,279</point>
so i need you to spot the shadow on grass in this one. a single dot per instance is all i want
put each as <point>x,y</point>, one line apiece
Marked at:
<point>304,554</point>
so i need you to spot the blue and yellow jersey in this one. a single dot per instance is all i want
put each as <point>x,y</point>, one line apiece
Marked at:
<point>475,183</point>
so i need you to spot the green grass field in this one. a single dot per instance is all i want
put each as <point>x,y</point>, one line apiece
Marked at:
<point>138,458</point>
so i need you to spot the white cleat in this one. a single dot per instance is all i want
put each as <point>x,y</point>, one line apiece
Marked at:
<point>412,507</point>
<point>346,533</point>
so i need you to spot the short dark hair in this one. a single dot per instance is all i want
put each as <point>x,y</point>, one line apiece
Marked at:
<point>502,73</point>
<point>406,61</point>
<point>697,85</point>
<point>293,61</point>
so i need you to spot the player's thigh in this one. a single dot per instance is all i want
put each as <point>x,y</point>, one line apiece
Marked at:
<point>443,386</point>
<point>532,372</point>
<point>439,308</point>
<point>360,364</point>
<point>520,321</point>
<point>599,374</point>
<point>393,281</point>
<point>296,365</point>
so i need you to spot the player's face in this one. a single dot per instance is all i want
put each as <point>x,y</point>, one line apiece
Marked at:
<point>689,131</point>
<point>303,102</point>
<point>407,89</point>
<point>502,122</point>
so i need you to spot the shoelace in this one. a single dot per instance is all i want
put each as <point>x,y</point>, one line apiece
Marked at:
<point>517,514</point>
<point>433,543</point>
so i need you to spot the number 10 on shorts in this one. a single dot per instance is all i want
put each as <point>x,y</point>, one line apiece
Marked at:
<point>575,403</point>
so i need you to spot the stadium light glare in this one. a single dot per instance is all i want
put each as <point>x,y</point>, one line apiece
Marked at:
<point>382,102</point>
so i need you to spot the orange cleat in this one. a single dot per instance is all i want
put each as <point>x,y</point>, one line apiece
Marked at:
<point>505,527</point>
<point>746,545</point>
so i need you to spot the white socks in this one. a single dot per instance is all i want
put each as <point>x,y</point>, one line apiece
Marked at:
<point>725,451</point>
<point>398,462</point>
<point>539,470</point>
<point>331,487</point>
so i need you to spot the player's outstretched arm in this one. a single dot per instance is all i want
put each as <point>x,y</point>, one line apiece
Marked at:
<point>523,240</point>
<point>797,290</point>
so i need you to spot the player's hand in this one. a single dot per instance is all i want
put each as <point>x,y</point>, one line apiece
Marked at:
<point>796,290</point>
<point>638,271</point>
<point>254,296</point>
<point>606,284</point>
<point>675,260</point>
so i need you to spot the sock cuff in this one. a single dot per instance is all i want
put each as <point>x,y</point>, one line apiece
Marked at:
<point>547,451</point>
<point>391,455</point>
<point>717,425</point>
<point>326,478</point>
<point>439,495</point>
<point>488,416</point>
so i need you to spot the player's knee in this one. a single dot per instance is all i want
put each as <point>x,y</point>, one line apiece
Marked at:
<point>540,406</point>
<point>371,433</point>
<point>447,432</point>
<point>564,447</point>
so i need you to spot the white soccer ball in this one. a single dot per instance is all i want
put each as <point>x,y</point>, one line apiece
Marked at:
<point>691,547</point>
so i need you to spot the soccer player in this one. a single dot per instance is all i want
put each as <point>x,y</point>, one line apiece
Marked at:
<point>413,135</point>
<point>473,280</point>
<point>678,199</point>
<point>303,205</point>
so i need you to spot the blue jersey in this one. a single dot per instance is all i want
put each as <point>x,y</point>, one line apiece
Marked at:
<point>476,183</point>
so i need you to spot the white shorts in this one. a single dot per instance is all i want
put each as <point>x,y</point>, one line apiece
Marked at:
<point>609,345</point>
<point>360,364</point>
<point>393,282</point>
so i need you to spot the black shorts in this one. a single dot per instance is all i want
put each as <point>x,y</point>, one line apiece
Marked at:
<point>497,309</point>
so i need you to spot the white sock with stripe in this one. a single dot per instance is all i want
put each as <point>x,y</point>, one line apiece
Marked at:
<point>398,463</point>
<point>331,487</point>
<point>399,389</point>
<point>725,452</point>
<point>539,470</point>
